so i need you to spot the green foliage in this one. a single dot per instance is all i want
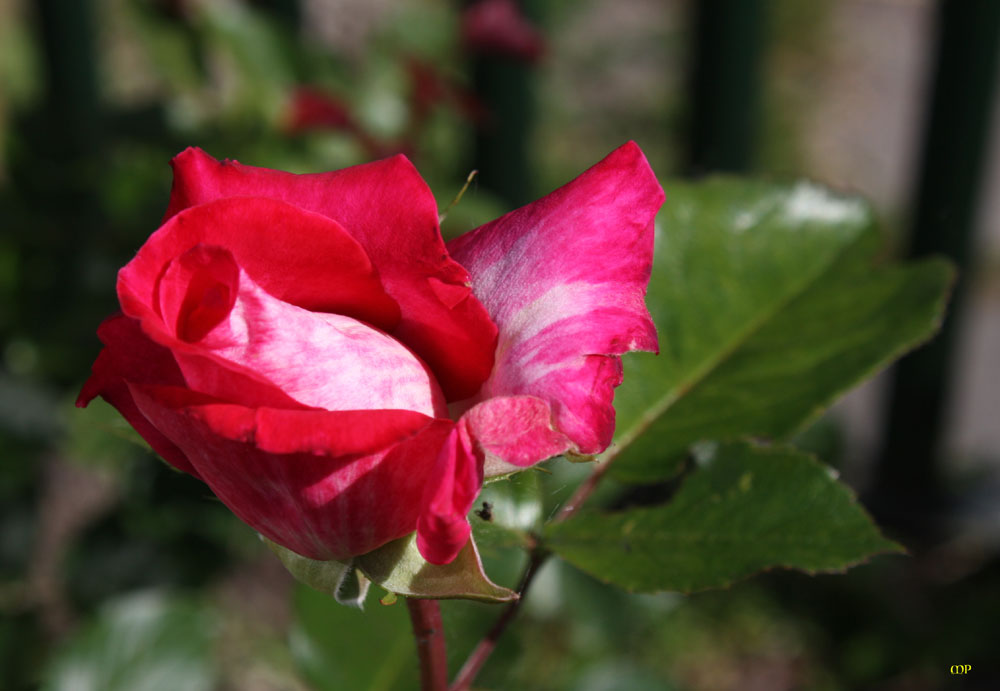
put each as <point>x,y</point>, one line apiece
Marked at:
<point>343,648</point>
<point>768,308</point>
<point>508,511</point>
<point>142,642</point>
<point>745,508</point>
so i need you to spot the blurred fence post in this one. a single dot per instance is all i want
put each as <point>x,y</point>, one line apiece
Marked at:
<point>505,85</point>
<point>288,11</point>
<point>908,485</point>
<point>725,84</point>
<point>55,169</point>
<point>72,105</point>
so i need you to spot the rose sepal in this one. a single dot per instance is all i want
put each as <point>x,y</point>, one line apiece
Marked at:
<point>398,567</point>
<point>341,580</point>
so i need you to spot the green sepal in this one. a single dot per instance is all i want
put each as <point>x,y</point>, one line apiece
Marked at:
<point>342,581</point>
<point>399,568</point>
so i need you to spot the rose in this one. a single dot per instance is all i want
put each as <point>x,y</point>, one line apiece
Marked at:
<point>308,346</point>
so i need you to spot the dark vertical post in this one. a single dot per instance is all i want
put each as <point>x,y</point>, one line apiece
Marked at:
<point>725,84</point>
<point>287,11</point>
<point>908,484</point>
<point>54,167</point>
<point>501,146</point>
<point>72,103</point>
<point>505,85</point>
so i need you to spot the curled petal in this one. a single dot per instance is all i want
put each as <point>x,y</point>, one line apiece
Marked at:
<point>297,256</point>
<point>513,432</point>
<point>198,291</point>
<point>457,476</point>
<point>564,279</point>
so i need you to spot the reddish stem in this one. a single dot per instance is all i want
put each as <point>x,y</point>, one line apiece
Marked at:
<point>429,634</point>
<point>584,491</point>
<point>481,654</point>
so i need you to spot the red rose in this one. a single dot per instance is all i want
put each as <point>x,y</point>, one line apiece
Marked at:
<point>308,346</point>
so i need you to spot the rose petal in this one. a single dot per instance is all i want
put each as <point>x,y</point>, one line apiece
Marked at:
<point>387,207</point>
<point>198,290</point>
<point>128,354</point>
<point>455,481</point>
<point>306,478</point>
<point>320,360</point>
<point>297,256</point>
<point>564,279</point>
<point>513,432</point>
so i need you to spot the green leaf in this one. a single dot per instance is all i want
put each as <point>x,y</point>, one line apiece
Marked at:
<point>341,581</point>
<point>341,648</point>
<point>141,642</point>
<point>399,568</point>
<point>768,308</point>
<point>743,509</point>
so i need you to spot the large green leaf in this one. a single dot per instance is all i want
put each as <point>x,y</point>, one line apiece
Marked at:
<point>743,509</point>
<point>141,642</point>
<point>768,308</point>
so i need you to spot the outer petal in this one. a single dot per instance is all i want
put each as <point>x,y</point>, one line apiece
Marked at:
<point>326,485</point>
<point>564,279</point>
<point>298,256</point>
<point>387,207</point>
<point>457,476</point>
<point>128,354</point>
<point>513,432</point>
<point>497,436</point>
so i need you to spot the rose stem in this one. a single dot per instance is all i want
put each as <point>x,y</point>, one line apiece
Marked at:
<point>482,652</point>
<point>484,649</point>
<point>584,491</point>
<point>429,634</point>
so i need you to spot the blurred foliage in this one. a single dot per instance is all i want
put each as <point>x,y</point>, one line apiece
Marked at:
<point>117,572</point>
<point>144,641</point>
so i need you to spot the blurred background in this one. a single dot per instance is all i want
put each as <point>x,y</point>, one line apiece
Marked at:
<point>117,573</point>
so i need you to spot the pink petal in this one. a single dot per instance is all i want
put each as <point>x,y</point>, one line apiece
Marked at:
<point>320,360</point>
<point>497,436</point>
<point>457,476</point>
<point>513,432</point>
<point>564,279</point>
<point>387,207</point>
<point>326,485</point>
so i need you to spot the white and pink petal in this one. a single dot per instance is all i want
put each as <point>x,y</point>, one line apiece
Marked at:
<point>564,278</point>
